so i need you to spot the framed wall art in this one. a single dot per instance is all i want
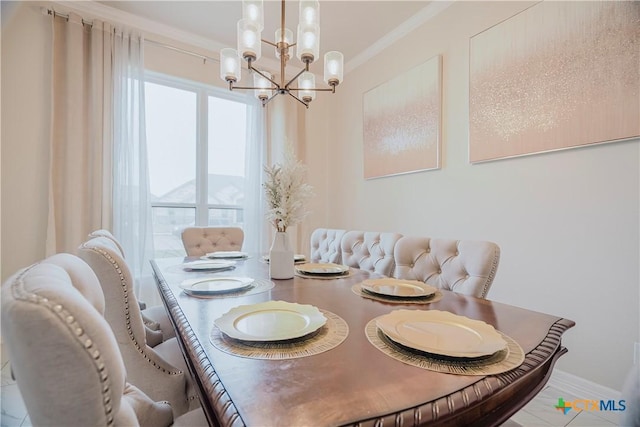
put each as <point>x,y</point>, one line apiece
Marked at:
<point>557,75</point>
<point>402,122</point>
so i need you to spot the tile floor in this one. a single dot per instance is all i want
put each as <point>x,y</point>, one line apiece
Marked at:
<point>540,412</point>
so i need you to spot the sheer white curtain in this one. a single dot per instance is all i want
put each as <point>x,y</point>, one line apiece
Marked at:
<point>131,210</point>
<point>80,138</point>
<point>255,223</point>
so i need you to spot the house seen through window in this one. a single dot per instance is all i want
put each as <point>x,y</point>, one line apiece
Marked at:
<point>196,139</point>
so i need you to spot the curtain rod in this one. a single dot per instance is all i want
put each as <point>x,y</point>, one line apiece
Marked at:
<point>205,58</point>
<point>47,11</point>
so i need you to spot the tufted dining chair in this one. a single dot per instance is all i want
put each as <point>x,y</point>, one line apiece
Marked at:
<point>369,250</point>
<point>464,266</point>
<point>199,241</point>
<point>106,233</point>
<point>158,371</point>
<point>325,245</point>
<point>64,355</point>
<point>158,327</point>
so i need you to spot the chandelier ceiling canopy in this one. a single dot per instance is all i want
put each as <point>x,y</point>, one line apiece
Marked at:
<point>307,46</point>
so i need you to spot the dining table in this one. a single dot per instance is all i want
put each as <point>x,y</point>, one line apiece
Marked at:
<point>348,373</point>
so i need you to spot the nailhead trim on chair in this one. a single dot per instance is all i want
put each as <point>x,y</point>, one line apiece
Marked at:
<point>20,293</point>
<point>123,283</point>
<point>492,274</point>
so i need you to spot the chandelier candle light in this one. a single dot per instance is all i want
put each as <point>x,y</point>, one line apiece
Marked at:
<point>307,50</point>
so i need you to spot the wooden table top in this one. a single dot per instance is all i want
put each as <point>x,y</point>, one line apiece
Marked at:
<point>353,383</point>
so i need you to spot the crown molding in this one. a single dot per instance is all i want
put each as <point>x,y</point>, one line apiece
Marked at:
<point>150,28</point>
<point>424,15</point>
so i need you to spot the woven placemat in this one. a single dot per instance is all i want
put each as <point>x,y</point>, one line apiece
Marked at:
<point>331,335</point>
<point>499,362</point>
<point>357,289</point>
<point>258,286</point>
<point>325,276</point>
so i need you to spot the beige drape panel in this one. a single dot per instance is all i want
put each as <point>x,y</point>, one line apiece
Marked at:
<point>80,170</point>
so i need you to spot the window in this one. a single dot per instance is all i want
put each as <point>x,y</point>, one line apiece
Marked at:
<point>197,141</point>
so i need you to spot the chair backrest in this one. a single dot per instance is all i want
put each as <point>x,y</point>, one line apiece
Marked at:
<point>146,369</point>
<point>199,241</point>
<point>325,245</point>
<point>63,353</point>
<point>106,233</point>
<point>370,250</point>
<point>464,266</point>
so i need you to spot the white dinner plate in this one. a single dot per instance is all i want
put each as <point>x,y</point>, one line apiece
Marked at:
<point>398,288</point>
<point>441,332</point>
<point>227,254</point>
<point>208,265</point>
<point>271,321</point>
<point>322,268</point>
<point>215,285</point>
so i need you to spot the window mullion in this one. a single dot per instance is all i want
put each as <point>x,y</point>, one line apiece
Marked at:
<point>202,161</point>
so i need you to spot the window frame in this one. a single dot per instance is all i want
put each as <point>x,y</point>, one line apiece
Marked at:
<point>202,92</point>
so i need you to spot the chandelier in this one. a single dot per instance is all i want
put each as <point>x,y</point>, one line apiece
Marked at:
<point>265,85</point>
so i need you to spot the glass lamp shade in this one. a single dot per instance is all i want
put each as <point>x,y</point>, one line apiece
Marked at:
<point>308,45</point>
<point>229,65</point>
<point>249,43</point>
<point>264,85</point>
<point>288,39</point>
<point>333,67</point>
<point>252,11</point>
<point>309,12</point>
<point>306,81</point>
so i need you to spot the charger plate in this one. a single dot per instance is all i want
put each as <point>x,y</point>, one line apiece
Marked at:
<point>441,332</point>
<point>208,265</point>
<point>329,336</point>
<point>258,286</point>
<point>398,288</point>
<point>270,321</point>
<point>215,285</point>
<point>497,363</point>
<point>226,255</point>
<point>358,290</point>
<point>322,269</point>
<point>297,259</point>
<point>325,276</point>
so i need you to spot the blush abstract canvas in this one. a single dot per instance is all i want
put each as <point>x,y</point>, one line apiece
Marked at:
<point>402,122</point>
<point>557,75</point>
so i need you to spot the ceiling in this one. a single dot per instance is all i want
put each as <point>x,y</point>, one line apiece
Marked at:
<point>350,27</point>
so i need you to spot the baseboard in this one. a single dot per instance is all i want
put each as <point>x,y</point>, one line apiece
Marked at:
<point>581,388</point>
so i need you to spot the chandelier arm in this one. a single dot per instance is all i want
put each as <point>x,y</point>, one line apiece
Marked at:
<point>268,100</point>
<point>319,89</point>
<point>263,75</point>
<point>251,87</point>
<point>293,79</point>
<point>268,42</point>
<point>298,99</point>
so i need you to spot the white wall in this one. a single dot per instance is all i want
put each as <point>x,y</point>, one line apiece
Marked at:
<point>567,222</point>
<point>25,83</point>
